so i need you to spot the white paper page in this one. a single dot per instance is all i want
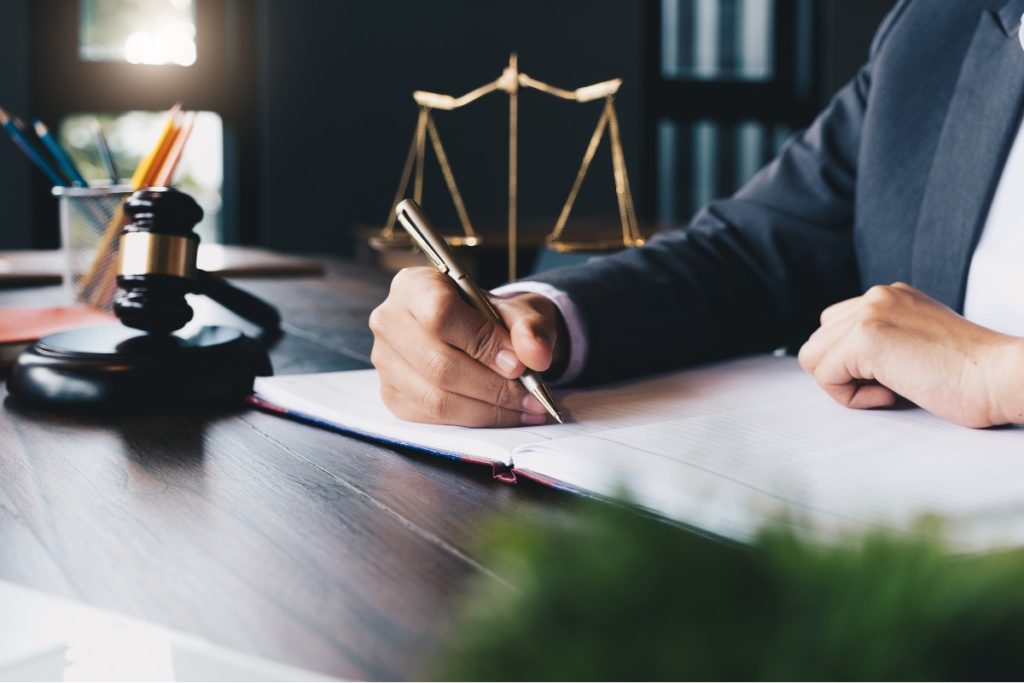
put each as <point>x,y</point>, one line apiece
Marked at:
<point>351,400</point>
<point>757,439</point>
<point>698,391</point>
<point>45,638</point>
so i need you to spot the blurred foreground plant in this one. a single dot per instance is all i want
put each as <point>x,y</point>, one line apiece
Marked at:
<point>624,597</point>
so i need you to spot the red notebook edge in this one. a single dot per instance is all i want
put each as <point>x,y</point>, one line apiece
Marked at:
<point>500,472</point>
<point>26,324</point>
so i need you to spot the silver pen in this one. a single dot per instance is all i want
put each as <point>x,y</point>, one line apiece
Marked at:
<point>422,231</point>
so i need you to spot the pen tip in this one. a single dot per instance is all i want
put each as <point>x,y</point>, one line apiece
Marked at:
<point>541,393</point>
<point>40,127</point>
<point>4,117</point>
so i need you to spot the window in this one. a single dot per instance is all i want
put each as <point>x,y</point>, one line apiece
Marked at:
<point>137,31</point>
<point>81,71</point>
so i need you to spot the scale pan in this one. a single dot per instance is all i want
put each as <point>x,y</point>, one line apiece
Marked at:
<point>565,247</point>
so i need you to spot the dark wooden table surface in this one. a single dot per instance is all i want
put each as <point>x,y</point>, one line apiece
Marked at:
<point>260,534</point>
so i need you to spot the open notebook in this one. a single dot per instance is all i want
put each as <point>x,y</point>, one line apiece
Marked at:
<point>723,448</point>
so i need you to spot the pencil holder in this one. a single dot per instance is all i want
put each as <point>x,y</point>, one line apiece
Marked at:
<point>90,223</point>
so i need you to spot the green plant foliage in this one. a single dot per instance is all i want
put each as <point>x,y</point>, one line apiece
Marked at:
<point>624,597</point>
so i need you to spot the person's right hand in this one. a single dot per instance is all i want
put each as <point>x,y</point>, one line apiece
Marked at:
<point>442,361</point>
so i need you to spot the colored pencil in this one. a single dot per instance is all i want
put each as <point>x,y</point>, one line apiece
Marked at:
<point>166,174</point>
<point>58,153</point>
<point>105,155</point>
<point>150,164</point>
<point>16,130</point>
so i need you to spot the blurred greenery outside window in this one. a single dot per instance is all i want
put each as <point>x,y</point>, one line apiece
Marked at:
<point>132,135</point>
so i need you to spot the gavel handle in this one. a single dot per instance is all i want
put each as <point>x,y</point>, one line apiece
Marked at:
<point>240,302</point>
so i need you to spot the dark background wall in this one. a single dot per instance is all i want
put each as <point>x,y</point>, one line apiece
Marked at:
<point>340,115</point>
<point>329,85</point>
<point>15,212</point>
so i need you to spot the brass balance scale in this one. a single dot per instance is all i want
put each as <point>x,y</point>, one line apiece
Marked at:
<point>510,82</point>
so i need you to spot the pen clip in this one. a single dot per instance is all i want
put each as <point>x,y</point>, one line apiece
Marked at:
<point>424,244</point>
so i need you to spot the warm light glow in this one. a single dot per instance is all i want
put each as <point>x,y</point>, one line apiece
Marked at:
<point>137,31</point>
<point>174,44</point>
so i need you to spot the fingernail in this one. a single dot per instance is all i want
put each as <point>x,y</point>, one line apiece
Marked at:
<point>506,360</point>
<point>532,405</point>
<point>531,419</point>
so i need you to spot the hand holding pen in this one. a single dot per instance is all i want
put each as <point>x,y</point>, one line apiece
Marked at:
<point>443,359</point>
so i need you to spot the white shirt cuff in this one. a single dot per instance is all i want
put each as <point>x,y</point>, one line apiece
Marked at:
<point>570,314</point>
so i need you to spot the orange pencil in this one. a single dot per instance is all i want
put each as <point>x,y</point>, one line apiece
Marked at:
<point>166,174</point>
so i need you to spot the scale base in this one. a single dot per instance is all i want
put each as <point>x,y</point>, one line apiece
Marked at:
<point>116,369</point>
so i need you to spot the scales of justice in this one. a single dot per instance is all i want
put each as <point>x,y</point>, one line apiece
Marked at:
<point>510,82</point>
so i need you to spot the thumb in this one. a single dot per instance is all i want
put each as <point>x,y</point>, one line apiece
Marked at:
<point>533,338</point>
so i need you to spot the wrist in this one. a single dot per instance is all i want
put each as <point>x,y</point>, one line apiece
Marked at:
<point>1008,378</point>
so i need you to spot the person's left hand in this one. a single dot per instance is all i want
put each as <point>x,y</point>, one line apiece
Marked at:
<point>897,341</point>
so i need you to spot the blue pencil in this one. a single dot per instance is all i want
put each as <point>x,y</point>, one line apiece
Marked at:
<point>105,155</point>
<point>22,141</point>
<point>66,164</point>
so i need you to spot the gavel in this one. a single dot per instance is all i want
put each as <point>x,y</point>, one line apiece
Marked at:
<point>156,267</point>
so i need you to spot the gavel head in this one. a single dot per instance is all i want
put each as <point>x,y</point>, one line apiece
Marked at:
<point>156,264</point>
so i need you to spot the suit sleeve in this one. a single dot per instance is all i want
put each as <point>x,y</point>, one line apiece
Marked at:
<point>749,274</point>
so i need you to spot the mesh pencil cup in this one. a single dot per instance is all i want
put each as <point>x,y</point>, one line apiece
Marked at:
<point>90,224</point>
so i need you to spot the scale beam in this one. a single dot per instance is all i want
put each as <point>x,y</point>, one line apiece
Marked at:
<point>511,81</point>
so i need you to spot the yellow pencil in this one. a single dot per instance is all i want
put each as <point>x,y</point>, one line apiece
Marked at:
<point>147,168</point>
<point>166,174</point>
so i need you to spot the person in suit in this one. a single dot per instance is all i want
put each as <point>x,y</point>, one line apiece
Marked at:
<point>894,225</point>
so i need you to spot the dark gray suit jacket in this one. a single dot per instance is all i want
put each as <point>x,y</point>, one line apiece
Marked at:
<point>892,182</point>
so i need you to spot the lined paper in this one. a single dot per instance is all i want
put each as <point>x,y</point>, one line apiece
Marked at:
<point>727,448</point>
<point>763,443</point>
<point>351,400</point>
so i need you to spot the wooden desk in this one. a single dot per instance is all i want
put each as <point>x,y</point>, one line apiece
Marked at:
<point>261,534</point>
